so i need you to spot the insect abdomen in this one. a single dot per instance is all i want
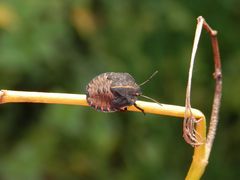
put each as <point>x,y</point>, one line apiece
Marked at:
<point>99,94</point>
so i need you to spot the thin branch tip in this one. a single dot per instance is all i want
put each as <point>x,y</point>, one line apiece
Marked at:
<point>200,18</point>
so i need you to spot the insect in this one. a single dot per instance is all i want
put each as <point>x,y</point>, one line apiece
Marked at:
<point>112,91</point>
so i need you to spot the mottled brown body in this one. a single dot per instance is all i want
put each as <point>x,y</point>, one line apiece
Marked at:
<point>109,92</point>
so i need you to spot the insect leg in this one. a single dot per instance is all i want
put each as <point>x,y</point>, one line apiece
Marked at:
<point>123,109</point>
<point>139,108</point>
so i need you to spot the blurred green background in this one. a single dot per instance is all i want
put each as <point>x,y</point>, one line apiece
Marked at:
<point>59,46</point>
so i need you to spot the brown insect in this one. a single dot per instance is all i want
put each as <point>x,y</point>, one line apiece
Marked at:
<point>110,92</point>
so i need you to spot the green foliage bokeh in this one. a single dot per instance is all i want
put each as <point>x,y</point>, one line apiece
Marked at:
<point>59,46</point>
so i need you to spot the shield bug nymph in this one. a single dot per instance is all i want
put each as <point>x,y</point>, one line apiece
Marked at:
<point>110,92</point>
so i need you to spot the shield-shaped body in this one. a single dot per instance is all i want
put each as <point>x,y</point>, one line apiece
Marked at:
<point>110,92</point>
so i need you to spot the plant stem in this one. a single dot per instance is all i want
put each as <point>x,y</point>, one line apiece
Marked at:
<point>202,153</point>
<point>9,96</point>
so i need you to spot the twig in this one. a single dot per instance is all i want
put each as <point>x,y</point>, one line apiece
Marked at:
<point>189,133</point>
<point>8,96</point>
<point>218,88</point>
<point>191,126</point>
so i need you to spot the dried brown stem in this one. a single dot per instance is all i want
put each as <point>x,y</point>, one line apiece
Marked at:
<point>190,122</point>
<point>218,88</point>
<point>202,152</point>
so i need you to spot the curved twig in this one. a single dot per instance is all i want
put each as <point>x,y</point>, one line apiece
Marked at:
<point>191,127</point>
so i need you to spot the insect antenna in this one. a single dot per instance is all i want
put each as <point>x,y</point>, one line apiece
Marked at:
<point>145,83</point>
<point>151,99</point>
<point>149,78</point>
